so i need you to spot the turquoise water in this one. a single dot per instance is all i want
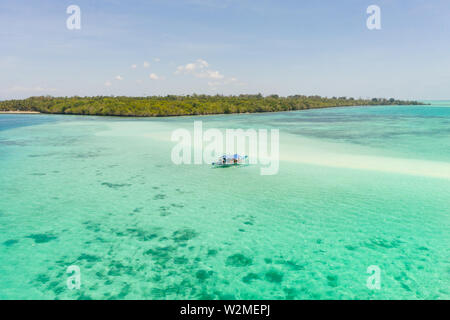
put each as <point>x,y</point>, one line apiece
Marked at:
<point>357,187</point>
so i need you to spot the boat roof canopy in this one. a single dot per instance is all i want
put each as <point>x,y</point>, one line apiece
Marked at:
<point>234,156</point>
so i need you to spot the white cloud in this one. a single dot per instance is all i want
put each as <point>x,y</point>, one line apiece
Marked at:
<point>146,64</point>
<point>203,63</point>
<point>210,74</point>
<point>153,76</point>
<point>108,84</point>
<point>157,59</point>
<point>199,69</point>
<point>133,66</point>
<point>193,67</point>
<point>189,67</point>
<point>118,78</point>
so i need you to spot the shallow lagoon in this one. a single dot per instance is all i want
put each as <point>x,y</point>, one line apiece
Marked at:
<point>357,187</point>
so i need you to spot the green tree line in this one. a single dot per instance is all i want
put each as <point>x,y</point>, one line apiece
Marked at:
<point>171,105</point>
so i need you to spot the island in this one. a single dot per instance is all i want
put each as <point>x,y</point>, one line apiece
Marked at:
<point>172,105</point>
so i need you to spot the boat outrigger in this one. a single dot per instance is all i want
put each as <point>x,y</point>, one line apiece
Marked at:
<point>228,161</point>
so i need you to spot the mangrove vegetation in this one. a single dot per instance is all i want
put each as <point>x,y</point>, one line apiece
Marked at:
<point>171,105</point>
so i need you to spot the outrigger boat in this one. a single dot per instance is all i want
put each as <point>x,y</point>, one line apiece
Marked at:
<point>228,161</point>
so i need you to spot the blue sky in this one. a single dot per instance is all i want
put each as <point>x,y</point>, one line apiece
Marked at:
<point>159,47</point>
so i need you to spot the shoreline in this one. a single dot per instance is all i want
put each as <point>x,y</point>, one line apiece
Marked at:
<point>204,115</point>
<point>19,112</point>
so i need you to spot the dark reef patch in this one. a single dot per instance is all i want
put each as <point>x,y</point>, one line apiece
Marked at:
<point>238,260</point>
<point>159,196</point>
<point>406,287</point>
<point>383,243</point>
<point>180,260</point>
<point>291,293</point>
<point>212,252</point>
<point>89,258</point>
<point>10,242</point>
<point>274,276</point>
<point>52,285</point>
<point>164,211</point>
<point>117,268</point>
<point>42,278</point>
<point>332,280</point>
<point>184,235</point>
<point>64,262</point>
<point>57,287</point>
<point>115,185</point>
<point>124,291</point>
<point>161,254</point>
<point>42,237</point>
<point>100,239</point>
<point>249,277</point>
<point>142,235</point>
<point>203,275</point>
<point>92,226</point>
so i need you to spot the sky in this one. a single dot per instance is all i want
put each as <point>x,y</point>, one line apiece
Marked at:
<point>285,47</point>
